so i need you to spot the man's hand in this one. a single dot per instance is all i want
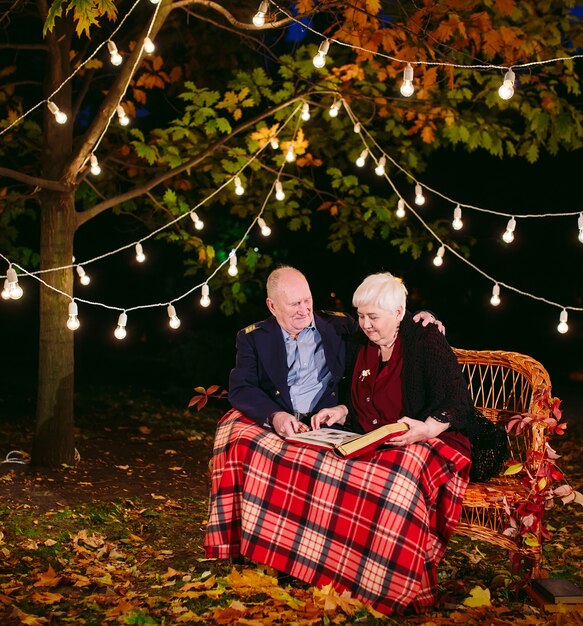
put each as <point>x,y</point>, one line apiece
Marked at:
<point>285,424</point>
<point>425,317</point>
<point>327,417</point>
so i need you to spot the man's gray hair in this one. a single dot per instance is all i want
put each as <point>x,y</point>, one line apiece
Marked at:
<point>383,290</point>
<point>274,279</point>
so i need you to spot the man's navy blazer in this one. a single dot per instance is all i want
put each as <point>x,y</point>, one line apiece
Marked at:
<point>258,383</point>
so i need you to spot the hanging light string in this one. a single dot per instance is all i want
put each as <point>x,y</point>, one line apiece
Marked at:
<point>305,26</point>
<point>76,70</point>
<point>438,193</point>
<point>442,243</point>
<point>167,225</point>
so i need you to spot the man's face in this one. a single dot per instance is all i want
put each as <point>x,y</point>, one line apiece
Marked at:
<point>291,304</point>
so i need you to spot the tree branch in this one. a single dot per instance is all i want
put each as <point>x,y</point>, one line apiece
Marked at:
<point>53,185</point>
<point>95,210</point>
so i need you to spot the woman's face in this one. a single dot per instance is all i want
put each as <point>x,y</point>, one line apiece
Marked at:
<point>379,325</point>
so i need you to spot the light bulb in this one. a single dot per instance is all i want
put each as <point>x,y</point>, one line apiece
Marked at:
<point>11,284</point>
<point>580,227</point>
<point>457,223</point>
<point>279,193</point>
<point>274,142</point>
<point>239,189</point>
<point>320,59</point>
<point>265,230</point>
<point>198,223</point>
<point>334,108</point>
<point>356,128</point>
<point>60,117</point>
<point>73,321</point>
<point>140,256</point>
<point>508,235</point>
<point>155,1</point>
<point>305,111</point>
<point>380,168</point>
<point>115,56</point>
<point>407,87</point>
<point>149,46</point>
<point>6,290</point>
<point>83,277</point>
<point>94,165</point>
<point>120,330</point>
<point>506,90</point>
<point>362,158</point>
<point>173,321</point>
<point>205,299</point>
<point>124,120</point>
<point>290,155</point>
<point>438,260</point>
<point>419,197</point>
<point>495,299</point>
<point>233,271</point>
<point>259,17</point>
<point>563,327</point>
<point>400,208</point>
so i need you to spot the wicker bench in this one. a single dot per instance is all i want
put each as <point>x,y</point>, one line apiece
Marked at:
<point>501,384</point>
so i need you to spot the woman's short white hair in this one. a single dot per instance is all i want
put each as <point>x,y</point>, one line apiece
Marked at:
<point>383,290</point>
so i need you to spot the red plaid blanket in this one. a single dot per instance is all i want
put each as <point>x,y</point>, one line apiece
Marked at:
<point>377,527</point>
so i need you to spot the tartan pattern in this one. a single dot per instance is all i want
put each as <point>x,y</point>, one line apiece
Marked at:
<point>377,526</point>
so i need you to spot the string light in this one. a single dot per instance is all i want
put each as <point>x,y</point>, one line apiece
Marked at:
<point>290,155</point>
<point>115,56</point>
<point>239,189</point>
<point>149,46</point>
<point>580,226</point>
<point>419,197</point>
<point>457,223</point>
<point>495,299</point>
<point>120,330</point>
<point>508,235</point>
<point>233,270</point>
<point>259,17</point>
<point>198,223</point>
<point>400,213</point>
<point>334,108</point>
<point>155,1</point>
<point>362,158</point>
<point>73,321</point>
<point>563,327</point>
<point>305,111</point>
<point>94,165</point>
<point>438,260</point>
<point>506,90</point>
<point>11,286</point>
<point>60,117</point>
<point>380,168</point>
<point>83,277</point>
<point>356,128</point>
<point>407,87</point>
<point>265,230</point>
<point>274,142</point>
<point>140,256</point>
<point>320,59</point>
<point>205,299</point>
<point>173,320</point>
<point>124,120</point>
<point>279,192</point>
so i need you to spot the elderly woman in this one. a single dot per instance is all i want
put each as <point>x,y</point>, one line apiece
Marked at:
<point>376,525</point>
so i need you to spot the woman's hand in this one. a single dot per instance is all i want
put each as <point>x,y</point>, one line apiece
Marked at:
<point>327,417</point>
<point>419,430</point>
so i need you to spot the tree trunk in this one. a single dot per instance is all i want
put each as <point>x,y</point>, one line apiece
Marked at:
<point>54,437</point>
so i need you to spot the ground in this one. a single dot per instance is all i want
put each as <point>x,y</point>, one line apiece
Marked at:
<point>118,537</point>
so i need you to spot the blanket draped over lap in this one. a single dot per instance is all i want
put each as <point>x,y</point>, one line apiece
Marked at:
<point>376,526</point>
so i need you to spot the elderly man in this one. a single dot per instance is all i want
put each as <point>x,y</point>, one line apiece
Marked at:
<point>290,365</point>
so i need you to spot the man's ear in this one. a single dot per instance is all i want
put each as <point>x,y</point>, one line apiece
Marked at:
<point>270,306</point>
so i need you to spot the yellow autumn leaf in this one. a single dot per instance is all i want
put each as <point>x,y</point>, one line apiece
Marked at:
<point>513,469</point>
<point>46,597</point>
<point>47,579</point>
<point>478,597</point>
<point>250,578</point>
<point>542,483</point>
<point>531,540</point>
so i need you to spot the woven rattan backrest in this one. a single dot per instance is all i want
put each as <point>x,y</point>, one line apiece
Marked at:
<point>501,381</point>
